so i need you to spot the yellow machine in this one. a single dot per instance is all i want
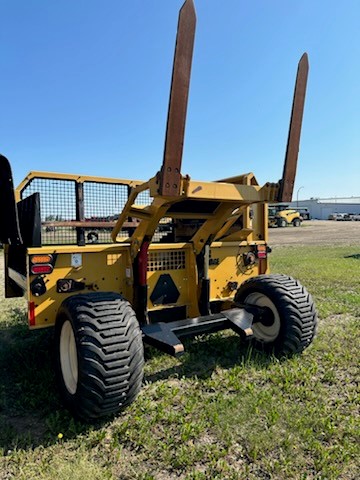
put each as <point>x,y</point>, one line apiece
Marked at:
<point>282,216</point>
<point>113,264</point>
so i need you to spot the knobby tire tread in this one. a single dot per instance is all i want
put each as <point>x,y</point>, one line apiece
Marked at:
<point>110,353</point>
<point>296,309</point>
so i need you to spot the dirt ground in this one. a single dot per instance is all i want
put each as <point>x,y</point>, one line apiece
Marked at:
<point>317,232</point>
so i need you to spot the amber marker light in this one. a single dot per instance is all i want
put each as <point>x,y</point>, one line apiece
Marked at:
<point>41,259</point>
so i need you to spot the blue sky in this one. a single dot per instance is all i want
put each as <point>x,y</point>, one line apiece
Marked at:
<point>84,88</point>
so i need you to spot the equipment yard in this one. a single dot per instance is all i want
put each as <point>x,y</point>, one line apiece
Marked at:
<point>276,418</point>
<point>118,272</point>
<point>316,232</point>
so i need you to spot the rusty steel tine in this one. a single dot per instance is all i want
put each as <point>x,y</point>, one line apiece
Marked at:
<point>292,148</point>
<point>170,175</point>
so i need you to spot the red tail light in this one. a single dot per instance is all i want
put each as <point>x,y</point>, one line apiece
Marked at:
<point>41,268</point>
<point>31,314</point>
<point>261,251</point>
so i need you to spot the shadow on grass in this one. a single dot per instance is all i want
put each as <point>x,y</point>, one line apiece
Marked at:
<point>31,413</point>
<point>356,256</point>
<point>209,352</point>
<point>30,410</point>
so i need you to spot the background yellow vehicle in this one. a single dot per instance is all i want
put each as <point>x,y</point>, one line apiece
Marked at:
<point>114,264</point>
<point>282,216</point>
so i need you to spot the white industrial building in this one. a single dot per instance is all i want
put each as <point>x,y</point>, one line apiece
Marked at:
<point>322,208</point>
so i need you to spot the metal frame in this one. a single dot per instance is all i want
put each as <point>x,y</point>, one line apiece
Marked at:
<point>77,178</point>
<point>233,199</point>
<point>221,211</point>
<point>80,223</point>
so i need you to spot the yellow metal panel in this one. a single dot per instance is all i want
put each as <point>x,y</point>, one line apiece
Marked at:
<point>185,279</point>
<point>103,268</point>
<point>181,280</point>
<point>260,222</point>
<point>245,179</point>
<point>108,268</point>
<point>226,265</point>
<point>223,192</point>
<point>90,248</point>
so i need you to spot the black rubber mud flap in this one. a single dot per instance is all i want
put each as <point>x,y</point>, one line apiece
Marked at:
<point>9,222</point>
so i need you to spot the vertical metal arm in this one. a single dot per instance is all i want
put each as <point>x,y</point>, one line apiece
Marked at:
<point>80,213</point>
<point>292,148</point>
<point>170,175</point>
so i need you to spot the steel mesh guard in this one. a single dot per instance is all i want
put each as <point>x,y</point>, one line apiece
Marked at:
<point>57,204</point>
<point>102,204</point>
<point>172,260</point>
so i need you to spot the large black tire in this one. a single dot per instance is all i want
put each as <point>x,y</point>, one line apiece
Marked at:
<point>296,222</point>
<point>293,310</point>
<point>99,354</point>
<point>281,222</point>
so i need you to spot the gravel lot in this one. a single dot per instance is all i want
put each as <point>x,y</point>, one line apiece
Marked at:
<point>317,232</point>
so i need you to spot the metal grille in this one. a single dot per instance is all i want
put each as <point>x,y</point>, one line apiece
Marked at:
<point>174,260</point>
<point>57,204</point>
<point>103,203</point>
<point>57,198</point>
<point>144,198</point>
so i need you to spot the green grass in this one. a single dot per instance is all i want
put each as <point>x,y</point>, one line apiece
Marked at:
<point>222,411</point>
<point>331,274</point>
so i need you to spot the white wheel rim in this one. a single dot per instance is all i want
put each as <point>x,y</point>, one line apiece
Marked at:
<point>264,333</point>
<point>68,357</point>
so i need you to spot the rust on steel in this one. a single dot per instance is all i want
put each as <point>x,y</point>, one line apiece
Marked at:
<point>292,148</point>
<point>170,175</point>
